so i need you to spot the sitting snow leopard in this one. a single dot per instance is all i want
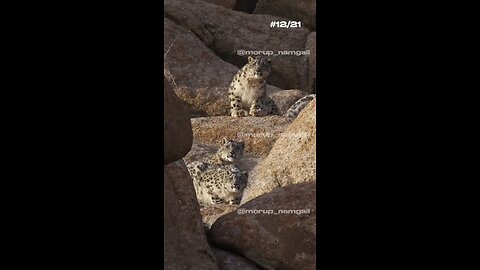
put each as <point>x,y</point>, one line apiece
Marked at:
<point>248,96</point>
<point>217,180</point>
<point>247,91</point>
<point>220,184</point>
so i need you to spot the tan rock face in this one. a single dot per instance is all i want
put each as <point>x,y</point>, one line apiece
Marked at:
<point>292,159</point>
<point>298,10</point>
<point>185,244</point>
<point>258,133</point>
<point>273,241</point>
<point>227,32</point>
<point>231,261</point>
<point>198,76</point>
<point>176,125</point>
<point>311,45</point>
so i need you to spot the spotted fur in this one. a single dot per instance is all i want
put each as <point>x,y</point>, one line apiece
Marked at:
<point>298,106</point>
<point>217,180</point>
<point>220,184</point>
<point>247,91</point>
<point>229,152</point>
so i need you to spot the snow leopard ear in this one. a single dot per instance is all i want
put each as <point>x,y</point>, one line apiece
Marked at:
<point>250,59</point>
<point>224,140</point>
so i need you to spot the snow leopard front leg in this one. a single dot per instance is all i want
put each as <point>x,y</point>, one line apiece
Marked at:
<point>235,109</point>
<point>234,201</point>
<point>215,199</point>
<point>256,109</point>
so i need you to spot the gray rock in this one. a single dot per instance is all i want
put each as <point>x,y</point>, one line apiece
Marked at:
<point>226,32</point>
<point>185,243</point>
<point>231,261</point>
<point>311,45</point>
<point>298,10</point>
<point>177,128</point>
<point>229,4</point>
<point>198,76</point>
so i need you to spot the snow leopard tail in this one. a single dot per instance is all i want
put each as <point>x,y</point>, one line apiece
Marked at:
<point>298,106</point>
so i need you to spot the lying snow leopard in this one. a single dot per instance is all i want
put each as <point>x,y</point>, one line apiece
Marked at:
<point>217,180</point>
<point>247,91</point>
<point>228,153</point>
<point>220,184</point>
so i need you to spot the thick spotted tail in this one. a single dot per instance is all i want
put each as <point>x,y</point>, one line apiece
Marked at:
<point>298,106</point>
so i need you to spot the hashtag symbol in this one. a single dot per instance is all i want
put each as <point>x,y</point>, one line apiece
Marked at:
<point>272,24</point>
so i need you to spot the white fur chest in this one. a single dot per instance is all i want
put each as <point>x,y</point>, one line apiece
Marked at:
<point>248,91</point>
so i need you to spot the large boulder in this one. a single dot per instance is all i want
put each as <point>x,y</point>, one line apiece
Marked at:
<point>292,159</point>
<point>199,77</point>
<point>258,133</point>
<point>230,33</point>
<point>224,3</point>
<point>185,243</point>
<point>270,238</point>
<point>311,46</point>
<point>231,261</point>
<point>298,10</point>
<point>247,6</point>
<point>177,128</point>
